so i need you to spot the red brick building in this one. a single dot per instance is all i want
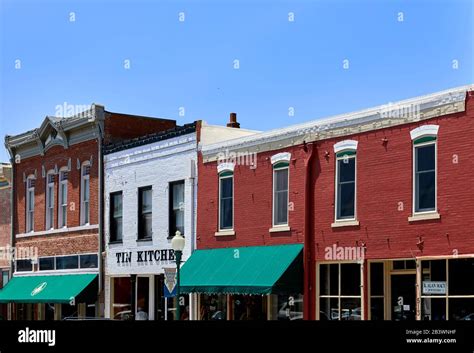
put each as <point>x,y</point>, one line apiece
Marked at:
<point>5,229</point>
<point>58,210</point>
<point>380,199</point>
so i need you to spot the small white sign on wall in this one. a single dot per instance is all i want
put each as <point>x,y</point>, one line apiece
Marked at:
<point>434,287</point>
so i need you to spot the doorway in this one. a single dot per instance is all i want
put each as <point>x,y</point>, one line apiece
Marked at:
<point>403,297</point>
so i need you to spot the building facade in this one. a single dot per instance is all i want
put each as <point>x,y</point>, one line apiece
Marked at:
<point>57,212</point>
<point>150,194</point>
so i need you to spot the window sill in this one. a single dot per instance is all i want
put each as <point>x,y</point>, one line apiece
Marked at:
<point>115,242</point>
<point>344,223</point>
<point>424,216</point>
<point>145,240</point>
<point>57,231</point>
<point>277,229</point>
<point>224,233</point>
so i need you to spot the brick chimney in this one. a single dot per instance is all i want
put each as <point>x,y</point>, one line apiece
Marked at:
<point>233,121</point>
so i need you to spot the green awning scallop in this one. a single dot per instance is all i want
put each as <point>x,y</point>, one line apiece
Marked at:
<point>45,289</point>
<point>276,269</point>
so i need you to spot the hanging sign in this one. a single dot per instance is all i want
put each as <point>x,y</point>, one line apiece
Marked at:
<point>432,287</point>
<point>170,282</point>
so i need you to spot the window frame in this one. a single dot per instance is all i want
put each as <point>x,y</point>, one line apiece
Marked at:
<point>226,174</point>
<point>112,217</point>
<point>283,165</point>
<point>336,200</point>
<point>49,209</point>
<point>171,210</point>
<point>83,178</point>
<point>415,192</point>
<point>62,218</point>
<point>30,223</point>
<point>140,213</point>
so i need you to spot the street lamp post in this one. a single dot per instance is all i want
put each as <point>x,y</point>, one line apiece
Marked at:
<point>177,243</point>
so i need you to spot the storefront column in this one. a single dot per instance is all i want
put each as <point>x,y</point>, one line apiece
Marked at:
<point>419,276</point>
<point>229,303</point>
<point>109,296</point>
<point>364,290</point>
<point>192,306</point>
<point>151,298</point>
<point>81,310</point>
<point>41,310</point>
<point>57,312</point>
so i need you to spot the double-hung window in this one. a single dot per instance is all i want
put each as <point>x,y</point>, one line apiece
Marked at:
<point>176,208</point>
<point>226,200</point>
<point>145,213</point>
<point>116,215</point>
<point>85,193</point>
<point>62,210</point>
<point>345,180</point>
<point>424,168</point>
<point>50,177</point>
<point>30,203</point>
<point>280,194</point>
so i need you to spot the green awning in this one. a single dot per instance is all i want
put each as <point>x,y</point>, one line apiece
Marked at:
<point>276,269</point>
<point>45,289</point>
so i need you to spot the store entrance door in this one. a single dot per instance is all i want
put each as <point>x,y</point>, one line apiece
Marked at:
<point>403,297</point>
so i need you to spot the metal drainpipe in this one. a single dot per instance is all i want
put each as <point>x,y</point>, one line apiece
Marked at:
<point>101,219</point>
<point>308,238</point>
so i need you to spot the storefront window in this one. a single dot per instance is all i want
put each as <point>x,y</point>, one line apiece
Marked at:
<point>290,307</point>
<point>213,307</point>
<point>249,307</point>
<point>340,298</point>
<point>143,290</point>
<point>121,298</point>
<point>171,304</point>
<point>377,291</point>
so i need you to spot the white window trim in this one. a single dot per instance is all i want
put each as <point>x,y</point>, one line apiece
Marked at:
<point>83,177</point>
<point>338,222</point>
<point>275,227</point>
<point>60,197</point>
<point>30,228</point>
<point>431,214</point>
<point>226,231</point>
<point>49,218</point>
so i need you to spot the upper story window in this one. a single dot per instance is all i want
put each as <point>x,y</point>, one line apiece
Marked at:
<point>116,215</point>
<point>176,207</point>
<point>280,188</point>
<point>23,265</point>
<point>85,193</point>
<point>226,196</point>
<point>30,203</point>
<point>345,180</point>
<point>62,205</point>
<point>424,168</point>
<point>50,178</point>
<point>145,213</point>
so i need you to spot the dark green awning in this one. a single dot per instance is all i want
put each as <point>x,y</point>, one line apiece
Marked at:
<point>274,269</point>
<point>45,289</point>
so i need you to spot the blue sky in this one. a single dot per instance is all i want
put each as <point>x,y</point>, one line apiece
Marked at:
<point>190,64</point>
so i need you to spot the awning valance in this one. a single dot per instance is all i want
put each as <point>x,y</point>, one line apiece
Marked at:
<point>276,269</point>
<point>46,289</point>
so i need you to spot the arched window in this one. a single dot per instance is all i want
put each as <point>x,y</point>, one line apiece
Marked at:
<point>346,152</point>
<point>30,203</point>
<point>226,196</point>
<point>62,204</point>
<point>50,178</point>
<point>281,175</point>
<point>85,193</point>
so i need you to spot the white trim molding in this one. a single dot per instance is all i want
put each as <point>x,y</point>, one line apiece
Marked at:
<point>345,145</point>
<point>281,157</point>
<point>229,167</point>
<point>57,231</point>
<point>424,130</point>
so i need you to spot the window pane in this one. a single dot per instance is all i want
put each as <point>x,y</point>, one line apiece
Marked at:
<point>89,261</point>
<point>67,262</point>
<point>461,309</point>
<point>425,186</point>
<point>86,190</point>
<point>281,179</point>
<point>433,309</point>
<point>178,195</point>
<point>377,309</point>
<point>346,169</point>
<point>376,279</point>
<point>24,265</point>
<point>176,211</point>
<point>329,309</point>
<point>226,187</point>
<point>425,158</point>
<point>226,214</point>
<point>46,264</point>
<point>351,309</point>
<point>346,200</point>
<point>31,199</point>
<point>329,279</point>
<point>461,277</point>
<point>117,205</point>
<point>146,200</point>
<point>146,221</point>
<point>350,279</point>
<point>63,194</point>
<point>86,212</point>
<point>281,207</point>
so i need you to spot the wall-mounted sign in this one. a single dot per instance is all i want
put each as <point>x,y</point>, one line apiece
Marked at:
<point>434,287</point>
<point>145,256</point>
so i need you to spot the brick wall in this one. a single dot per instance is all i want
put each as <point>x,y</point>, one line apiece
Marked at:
<point>5,221</point>
<point>252,203</point>
<point>122,126</point>
<point>384,179</point>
